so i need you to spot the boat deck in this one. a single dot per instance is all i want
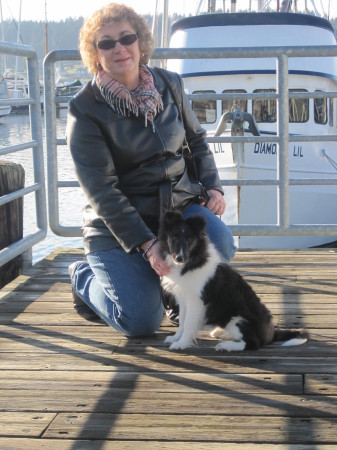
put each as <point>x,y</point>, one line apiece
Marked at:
<point>67,384</point>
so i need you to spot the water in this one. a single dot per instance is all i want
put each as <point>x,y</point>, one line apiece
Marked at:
<point>15,129</point>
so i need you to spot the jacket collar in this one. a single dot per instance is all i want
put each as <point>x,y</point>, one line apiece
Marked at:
<point>158,81</point>
<point>97,93</point>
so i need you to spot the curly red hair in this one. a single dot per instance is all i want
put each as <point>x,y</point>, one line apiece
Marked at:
<point>113,12</point>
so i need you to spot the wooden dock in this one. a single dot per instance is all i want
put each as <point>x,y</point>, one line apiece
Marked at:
<point>67,384</point>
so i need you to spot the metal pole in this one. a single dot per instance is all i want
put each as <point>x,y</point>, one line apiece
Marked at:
<point>283,149</point>
<point>164,40</point>
<point>199,7</point>
<point>153,28</point>
<point>18,42</point>
<point>211,6</point>
<point>2,38</point>
<point>51,138</point>
<point>36,127</point>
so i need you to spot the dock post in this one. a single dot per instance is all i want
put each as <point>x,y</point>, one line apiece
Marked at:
<point>12,178</point>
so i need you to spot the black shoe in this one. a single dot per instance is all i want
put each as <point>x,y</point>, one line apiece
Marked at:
<point>80,306</point>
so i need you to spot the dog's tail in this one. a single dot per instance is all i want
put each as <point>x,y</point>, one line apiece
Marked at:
<point>291,337</point>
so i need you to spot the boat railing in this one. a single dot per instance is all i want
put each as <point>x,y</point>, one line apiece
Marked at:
<point>24,246</point>
<point>282,137</point>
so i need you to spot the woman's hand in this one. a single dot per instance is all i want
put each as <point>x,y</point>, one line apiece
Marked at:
<point>216,202</point>
<point>156,261</point>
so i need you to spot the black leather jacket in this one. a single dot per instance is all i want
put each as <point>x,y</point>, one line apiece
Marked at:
<point>130,172</point>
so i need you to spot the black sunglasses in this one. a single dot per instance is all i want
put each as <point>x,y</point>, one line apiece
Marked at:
<point>108,44</point>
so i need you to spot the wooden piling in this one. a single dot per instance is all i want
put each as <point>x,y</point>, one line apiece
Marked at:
<point>12,178</point>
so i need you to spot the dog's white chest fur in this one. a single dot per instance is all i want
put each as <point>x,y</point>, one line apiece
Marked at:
<point>187,289</point>
<point>190,284</point>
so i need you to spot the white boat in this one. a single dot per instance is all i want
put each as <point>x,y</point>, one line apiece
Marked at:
<point>67,90</point>
<point>17,87</point>
<point>4,109</point>
<point>247,205</point>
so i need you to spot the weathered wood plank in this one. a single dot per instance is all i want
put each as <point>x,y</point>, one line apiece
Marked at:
<point>24,423</point>
<point>99,332</point>
<point>39,343</point>
<point>69,444</point>
<point>322,383</point>
<point>135,401</point>
<point>71,318</point>
<point>165,361</point>
<point>161,382</point>
<point>34,344</point>
<point>56,306</point>
<point>194,428</point>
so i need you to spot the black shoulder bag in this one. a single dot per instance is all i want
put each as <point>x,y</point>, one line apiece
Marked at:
<point>186,151</point>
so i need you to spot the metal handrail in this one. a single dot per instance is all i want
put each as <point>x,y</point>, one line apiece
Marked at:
<point>23,246</point>
<point>281,54</point>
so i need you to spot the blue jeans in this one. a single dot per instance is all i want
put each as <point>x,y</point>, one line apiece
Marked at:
<point>124,290</point>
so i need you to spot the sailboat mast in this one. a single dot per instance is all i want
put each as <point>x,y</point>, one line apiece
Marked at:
<point>18,42</point>
<point>2,38</point>
<point>45,29</point>
<point>211,6</point>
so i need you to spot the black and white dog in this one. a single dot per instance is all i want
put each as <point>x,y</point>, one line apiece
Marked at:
<point>210,292</point>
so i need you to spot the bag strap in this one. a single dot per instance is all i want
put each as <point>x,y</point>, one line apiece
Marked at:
<point>163,75</point>
<point>187,153</point>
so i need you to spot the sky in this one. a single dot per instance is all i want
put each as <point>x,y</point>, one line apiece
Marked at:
<point>62,9</point>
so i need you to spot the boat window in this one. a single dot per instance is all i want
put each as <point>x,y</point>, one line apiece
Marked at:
<point>264,110</point>
<point>205,110</point>
<point>298,108</point>
<point>229,105</point>
<point>331,112</point>
<point>320,110</point>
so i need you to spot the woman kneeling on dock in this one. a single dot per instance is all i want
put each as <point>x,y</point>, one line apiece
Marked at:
<point>126,138</point>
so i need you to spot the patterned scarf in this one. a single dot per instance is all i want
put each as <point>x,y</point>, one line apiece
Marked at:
<point>144,99</point>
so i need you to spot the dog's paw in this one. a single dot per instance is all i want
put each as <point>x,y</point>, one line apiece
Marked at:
<point>170,339</point>
<point>230,346</point>
<point>181,345</point>
<point>177,346</point>
<point>218,333</point>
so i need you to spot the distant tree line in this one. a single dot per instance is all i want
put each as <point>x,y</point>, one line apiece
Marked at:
<point>60,35</point>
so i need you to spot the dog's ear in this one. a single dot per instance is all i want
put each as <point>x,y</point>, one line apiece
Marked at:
<point>172,218</point>
<point>197,223</point>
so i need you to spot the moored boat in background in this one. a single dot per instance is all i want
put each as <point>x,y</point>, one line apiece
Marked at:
<point>317,116</point>
<point>4,109</point>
